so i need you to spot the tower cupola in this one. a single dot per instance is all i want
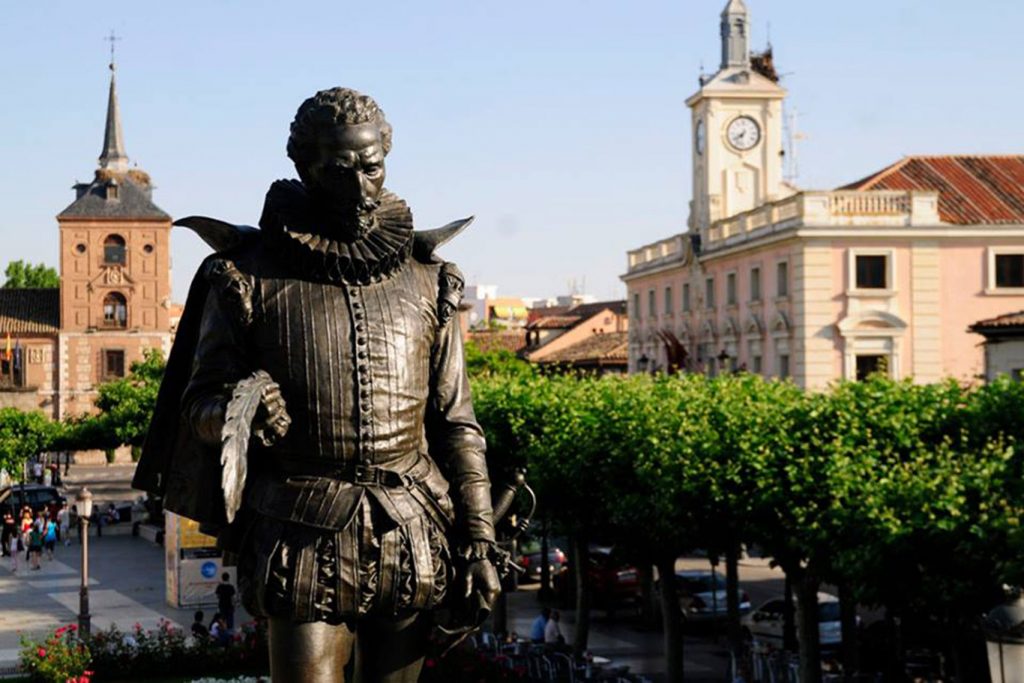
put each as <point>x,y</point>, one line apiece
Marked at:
<point>735,35</point>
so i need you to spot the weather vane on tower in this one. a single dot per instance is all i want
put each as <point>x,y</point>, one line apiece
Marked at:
<point>113,38</point>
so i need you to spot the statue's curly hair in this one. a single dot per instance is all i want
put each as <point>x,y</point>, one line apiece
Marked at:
<point>330,109</point>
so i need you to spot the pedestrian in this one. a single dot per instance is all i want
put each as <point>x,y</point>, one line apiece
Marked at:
<point>50,538</point>
<point>219,630</point>
<point>75,521</point>
<point>37,471</point>
<point>35,547</point>
<point>552,632</point>
<point>226,600</point>
<point>199,630</point>
<point>537,628</point>
<point>10,528</point>
<point>26,526</point>
<point>14,547</point>
<point>64,524</point>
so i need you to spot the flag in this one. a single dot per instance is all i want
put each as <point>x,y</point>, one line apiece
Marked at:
<point>17,355</point>
<point>7,349</point>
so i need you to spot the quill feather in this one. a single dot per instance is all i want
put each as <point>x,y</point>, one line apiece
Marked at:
<point>238,417</point>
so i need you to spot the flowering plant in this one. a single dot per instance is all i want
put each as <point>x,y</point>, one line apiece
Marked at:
<point>61,658</point>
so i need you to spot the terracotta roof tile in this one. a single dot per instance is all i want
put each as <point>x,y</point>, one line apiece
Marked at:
<point>554,322</point>
<point>973,190</point>
<point>1006,320</point>
<point>29,311</point>
<point>611,346</point>
<point>500,340</point>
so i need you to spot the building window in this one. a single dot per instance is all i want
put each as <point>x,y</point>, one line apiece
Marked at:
<point>755,284</point>
<point>636,306</point>
<point>668,301</point>
<point>113,363</point>
<point>1009,270</point>
<point>114,250</point>
<point>871,271</point>
<point>782,278</point>
<point>730,289</point>
<point>686,297</point>
<point>870,364</point>
<point>115,310</point>
<point>783,365</point>
<point>709,292</point>
<point>651,310</point>
<point>755,365</point>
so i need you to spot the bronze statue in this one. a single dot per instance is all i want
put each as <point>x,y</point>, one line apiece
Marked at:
<point>362,504</point>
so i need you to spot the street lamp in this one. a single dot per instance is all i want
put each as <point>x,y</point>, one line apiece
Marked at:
<point>1004,636</point>
<point>723,359</point>
<point>84,501</point>
<point>642,362</point>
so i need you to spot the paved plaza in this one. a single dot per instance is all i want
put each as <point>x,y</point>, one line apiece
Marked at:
<point>127,587</point>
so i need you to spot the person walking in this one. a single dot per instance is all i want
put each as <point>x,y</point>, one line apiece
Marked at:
<point>35,546</point>
<point>64,524</point>
<point>14,547</point>
<point>537,628</point>
<point>50,538</point>
<point>226,600</point>
<point>552,632</point>
<point>73,518</point>
<point>10,529</point>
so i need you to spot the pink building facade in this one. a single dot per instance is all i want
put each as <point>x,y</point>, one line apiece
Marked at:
<point>828,285</point>
<point>883,275</point>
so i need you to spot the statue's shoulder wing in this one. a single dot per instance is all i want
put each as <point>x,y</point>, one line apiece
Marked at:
<point>450,282</point>
<point>220,235</point>
<point>426,242</point>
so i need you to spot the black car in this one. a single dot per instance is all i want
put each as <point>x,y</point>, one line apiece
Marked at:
<point>36,496</point>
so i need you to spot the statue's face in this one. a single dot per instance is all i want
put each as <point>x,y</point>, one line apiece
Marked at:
<point>346,177</point>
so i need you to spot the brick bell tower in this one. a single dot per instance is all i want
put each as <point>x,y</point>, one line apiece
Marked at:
<point>115,273</point>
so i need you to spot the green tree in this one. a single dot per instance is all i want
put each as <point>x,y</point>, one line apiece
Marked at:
<point>23,435</point>
<point>21,275</point>
<point>126,405</point>
<point>495,362</point>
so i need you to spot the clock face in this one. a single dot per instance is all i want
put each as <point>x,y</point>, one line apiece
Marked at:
<point>701,137</point>
<point>743,133</point>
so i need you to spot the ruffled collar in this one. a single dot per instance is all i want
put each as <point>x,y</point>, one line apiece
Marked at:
<point>289,226</point>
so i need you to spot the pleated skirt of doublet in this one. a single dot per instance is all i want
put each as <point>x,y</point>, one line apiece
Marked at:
<point>370,567</point>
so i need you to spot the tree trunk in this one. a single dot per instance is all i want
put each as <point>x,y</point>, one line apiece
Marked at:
<point>648,606</point>
<point>732,603</point>
<point>670,619</point>
<point>582,594</point>
<point>894,652</point>
<point>807,627</point>
<point>544,594</point>
<point>851,637</point>
<point>789,616</point>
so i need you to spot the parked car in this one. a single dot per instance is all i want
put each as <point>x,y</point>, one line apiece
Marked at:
<point>36,496</point>
<point>529,559</point>
<point>614,584</point>
<point>703,597</point>
<point>766,623</point>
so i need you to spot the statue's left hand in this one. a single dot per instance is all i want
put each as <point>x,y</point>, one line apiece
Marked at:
<point>482,578</point>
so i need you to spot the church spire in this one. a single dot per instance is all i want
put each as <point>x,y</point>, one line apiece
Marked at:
<point>735,20</point>
<point>113,157</point>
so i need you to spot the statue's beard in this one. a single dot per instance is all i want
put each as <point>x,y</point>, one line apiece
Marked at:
<point>348,222</point>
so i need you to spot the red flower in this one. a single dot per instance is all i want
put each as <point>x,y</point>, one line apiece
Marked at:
<point>41,652</point>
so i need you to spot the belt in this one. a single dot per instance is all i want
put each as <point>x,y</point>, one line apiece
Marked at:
<point>352,473</point>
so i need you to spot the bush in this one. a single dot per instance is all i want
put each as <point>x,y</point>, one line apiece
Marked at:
<point>141,654</point>
<point>111,454</point>
<point>61,658</point>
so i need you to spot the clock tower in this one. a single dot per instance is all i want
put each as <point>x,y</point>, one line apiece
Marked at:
<point>737,129</point>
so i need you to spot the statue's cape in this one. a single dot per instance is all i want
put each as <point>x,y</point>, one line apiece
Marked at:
<point>174,463</point>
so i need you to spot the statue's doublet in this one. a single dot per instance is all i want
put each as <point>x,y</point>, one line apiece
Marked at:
<point>350,512</point>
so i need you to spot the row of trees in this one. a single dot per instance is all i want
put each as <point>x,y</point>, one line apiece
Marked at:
<point>905,497</point>
<point>125,407</point>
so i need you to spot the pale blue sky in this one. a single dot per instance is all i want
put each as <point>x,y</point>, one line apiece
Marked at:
<point>561,125</point>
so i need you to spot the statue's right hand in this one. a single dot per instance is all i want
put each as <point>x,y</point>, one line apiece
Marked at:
<point>272,420</point>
